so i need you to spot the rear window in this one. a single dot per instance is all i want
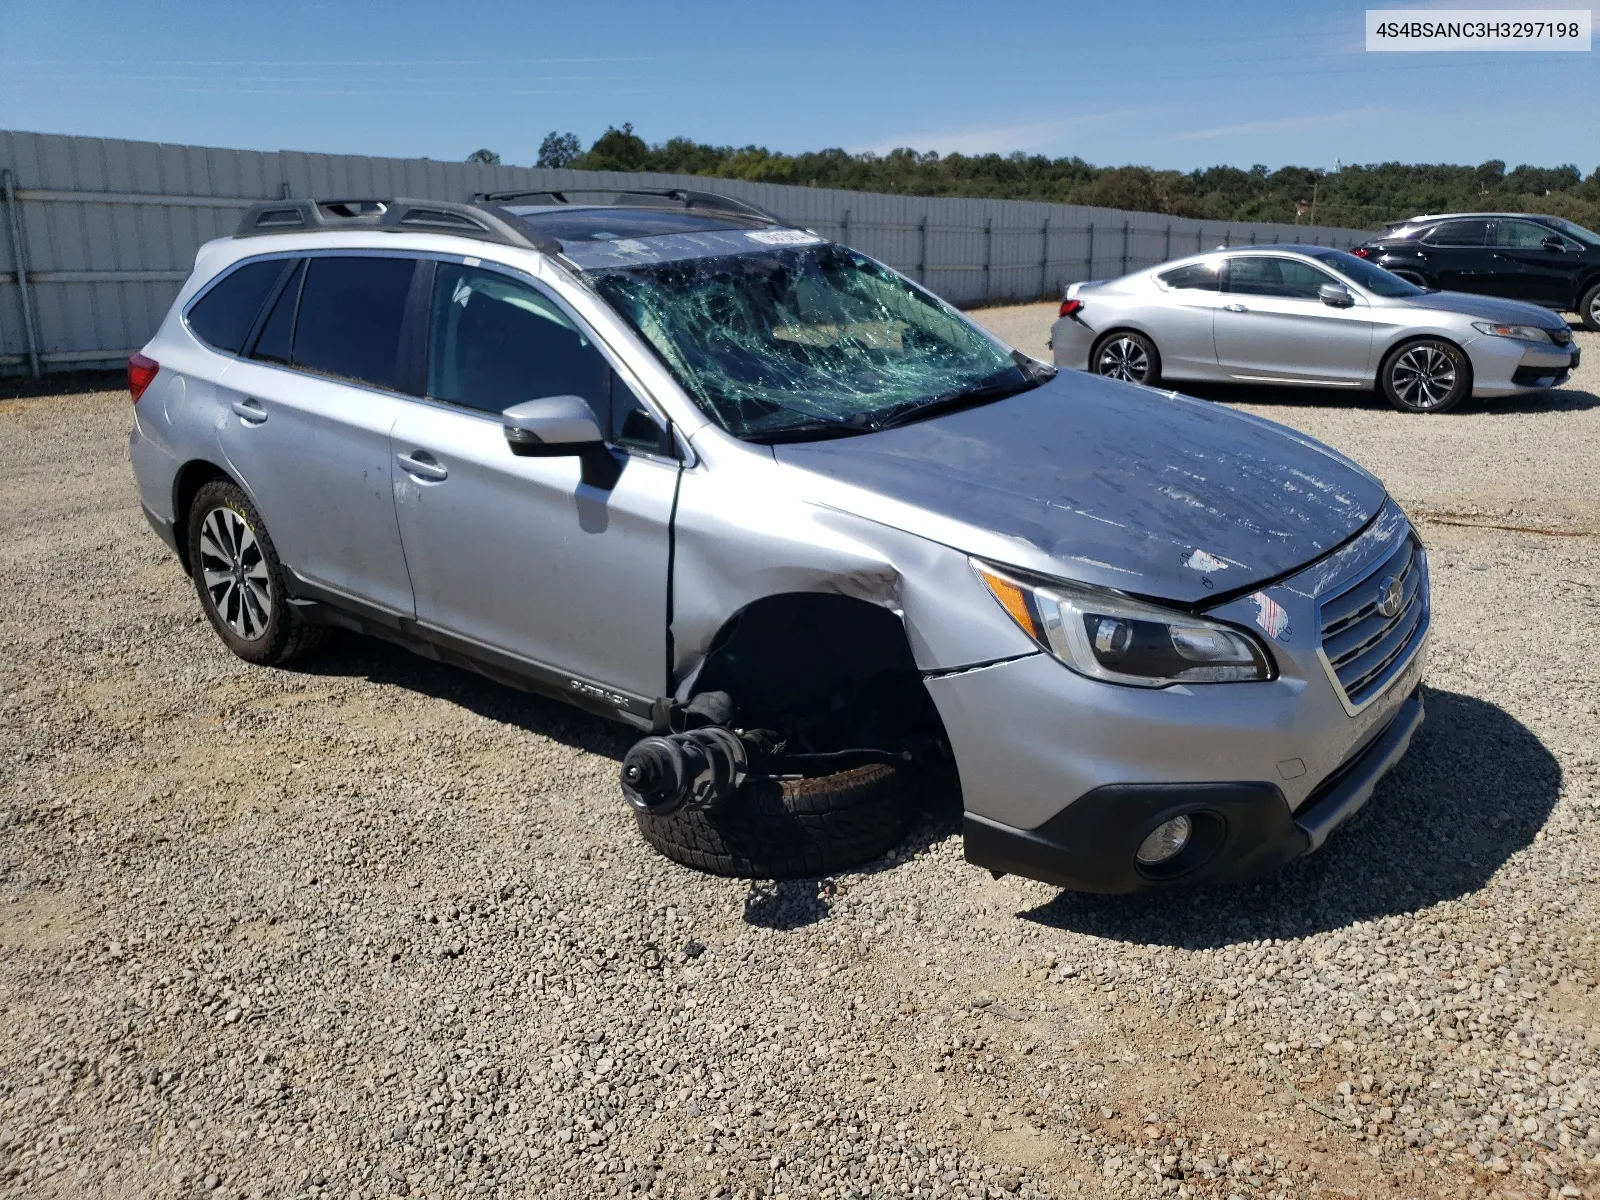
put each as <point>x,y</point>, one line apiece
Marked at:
<point>1458,233</point>
<point>224,315</point>
<point>1200,276</point>
<point>350,314</point>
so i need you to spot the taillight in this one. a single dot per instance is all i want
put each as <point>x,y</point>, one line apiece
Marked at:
<point>141,374</point>
<point>1361,252</point>
<point>1071,308</point>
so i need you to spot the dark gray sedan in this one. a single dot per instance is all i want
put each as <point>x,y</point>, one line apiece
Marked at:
<point>1310,315</point>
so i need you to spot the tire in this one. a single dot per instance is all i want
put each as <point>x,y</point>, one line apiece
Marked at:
<point>1589,308</point>
<point>1126,355</point>
<point>1428,375</point>
<point>793,828</point>
<point>239,579</point>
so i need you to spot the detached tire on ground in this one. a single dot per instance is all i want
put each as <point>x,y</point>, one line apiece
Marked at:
<point>789,829</point>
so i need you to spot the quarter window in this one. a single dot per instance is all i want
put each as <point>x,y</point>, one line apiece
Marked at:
<point>224,316</point>
<point>1286,277</point>
<point>1458,233</point>
<point>277,334</point>
<point>351,310</point>
<point>1202,276</point>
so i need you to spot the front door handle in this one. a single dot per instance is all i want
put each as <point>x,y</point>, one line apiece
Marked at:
<point>422,465</point>
<point>1234,308</point>
<point>250,410</point>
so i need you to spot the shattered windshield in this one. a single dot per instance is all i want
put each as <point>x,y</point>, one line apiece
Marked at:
<point>807,341</point>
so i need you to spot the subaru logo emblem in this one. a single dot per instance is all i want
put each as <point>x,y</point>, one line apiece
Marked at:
<point>1391,594</point>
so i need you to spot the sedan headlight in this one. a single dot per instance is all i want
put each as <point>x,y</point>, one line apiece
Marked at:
<point>1108,636</point>
<point>1526,333</point>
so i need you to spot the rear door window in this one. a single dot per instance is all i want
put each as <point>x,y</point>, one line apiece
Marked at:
<point>1285,277</point>
<point>1458,233</point>
<point>224,316</point>
<point>351,310</point>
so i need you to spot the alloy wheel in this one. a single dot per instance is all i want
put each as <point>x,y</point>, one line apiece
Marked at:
<point>1423,377</point>
<point>1124,358</point>
<point>235,573</point>
<point>1594,309</point>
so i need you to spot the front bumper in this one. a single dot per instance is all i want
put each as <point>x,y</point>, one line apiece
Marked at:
<point>1089,845</point>
<point>1508,366</point>
<point>1062,774</point>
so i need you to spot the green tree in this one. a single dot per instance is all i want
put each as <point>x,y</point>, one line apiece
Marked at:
<point>487,157</point>
<point>558,149</point>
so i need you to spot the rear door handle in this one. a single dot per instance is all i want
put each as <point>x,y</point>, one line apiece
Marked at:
<point>250,410</point>
<point>422,465</point>
<point>1234,308</point>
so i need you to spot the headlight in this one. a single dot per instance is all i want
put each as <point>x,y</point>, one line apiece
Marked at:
<point>1108,636</point>
<point>1527,333</point>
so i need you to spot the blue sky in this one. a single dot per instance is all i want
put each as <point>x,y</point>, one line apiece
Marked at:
<point>1168,85</point>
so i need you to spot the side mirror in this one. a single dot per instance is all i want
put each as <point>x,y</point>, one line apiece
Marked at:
<point>554,425</point>
<point>1335,295</point>
<point>1554,243</point>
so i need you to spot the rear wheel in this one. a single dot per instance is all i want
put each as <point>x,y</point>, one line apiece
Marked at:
<point>1128,356</point>
<point>1589,308</point>
<point>790,828</point>
<point>240,580</point>
<point>1429,375</point>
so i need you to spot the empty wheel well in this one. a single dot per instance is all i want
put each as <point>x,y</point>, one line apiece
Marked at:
<point>192,476</point>
<point>829,672</point>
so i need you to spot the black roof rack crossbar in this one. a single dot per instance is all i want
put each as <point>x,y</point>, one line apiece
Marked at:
<point>688,198</point>
<point>476,221</point>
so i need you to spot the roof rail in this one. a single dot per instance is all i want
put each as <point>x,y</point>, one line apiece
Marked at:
<point>688,198</point>
<point>476,221</point>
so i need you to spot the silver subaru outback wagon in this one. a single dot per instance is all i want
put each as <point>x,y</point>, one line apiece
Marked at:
<point>820,539</point>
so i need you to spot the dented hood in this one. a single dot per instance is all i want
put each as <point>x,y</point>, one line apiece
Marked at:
<point>1115,485</point>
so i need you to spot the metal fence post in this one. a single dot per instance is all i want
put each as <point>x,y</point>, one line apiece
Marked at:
<point>1252,237</point>
<point>1227,237</point>
<point>1044,257</point>
<point>1199,236</point>
<point>844,228</point>
<point>1168,253</point>
<point>1125,247</point>
<point>988,254</point>
<point>922,251</point>
<point>20,258</point>
<point>1088,267</point>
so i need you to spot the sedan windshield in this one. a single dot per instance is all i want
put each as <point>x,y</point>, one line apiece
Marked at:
<point>807,341</point>
<point>1368,275</point>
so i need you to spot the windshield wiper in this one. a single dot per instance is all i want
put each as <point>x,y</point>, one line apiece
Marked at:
<point>813,431</point>
<point>933,406</point>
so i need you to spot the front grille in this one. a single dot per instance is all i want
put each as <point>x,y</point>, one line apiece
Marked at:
<point>1364,648</point>
<point>1561,337</point>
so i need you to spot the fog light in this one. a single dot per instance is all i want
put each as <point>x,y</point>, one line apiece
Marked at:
<point>1166,841</point>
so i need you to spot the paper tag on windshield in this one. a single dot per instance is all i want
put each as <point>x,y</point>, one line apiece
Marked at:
<point>783,237</point>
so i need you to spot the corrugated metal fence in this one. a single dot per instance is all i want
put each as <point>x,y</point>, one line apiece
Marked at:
<point>99,234</point>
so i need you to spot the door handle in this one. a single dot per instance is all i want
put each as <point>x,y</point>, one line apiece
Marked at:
<point>422,465</point>
<point>250,411</point>
<point>1234,308</point>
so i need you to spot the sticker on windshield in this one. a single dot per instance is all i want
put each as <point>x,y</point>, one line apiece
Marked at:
<point>783,237</point>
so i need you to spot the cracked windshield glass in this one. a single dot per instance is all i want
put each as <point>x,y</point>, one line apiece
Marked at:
<point>812,341</point>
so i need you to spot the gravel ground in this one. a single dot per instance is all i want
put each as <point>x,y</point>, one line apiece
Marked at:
<point>377,927</point>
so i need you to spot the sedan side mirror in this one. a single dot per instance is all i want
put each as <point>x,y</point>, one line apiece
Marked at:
<point>554,425</point>
<point>1335,295</point>
<point>1554,243</point>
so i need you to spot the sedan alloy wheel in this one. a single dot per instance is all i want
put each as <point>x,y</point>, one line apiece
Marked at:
<point>1123,358</point>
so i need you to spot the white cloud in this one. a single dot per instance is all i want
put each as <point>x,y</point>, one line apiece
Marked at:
<point>996,139</point>
<point>1336,120</point>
